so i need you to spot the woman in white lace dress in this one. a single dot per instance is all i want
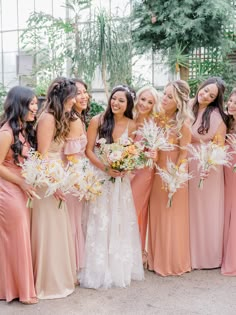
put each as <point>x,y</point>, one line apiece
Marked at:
<point>112,247</point>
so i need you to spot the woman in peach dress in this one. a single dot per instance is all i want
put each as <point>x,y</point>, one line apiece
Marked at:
<point>53,252</point>
<point>16,137</point>
<point>168,242</point>
<point>229,254</point>
<point>207,205</point>
<point>145,108</point>
<point>75,145</point>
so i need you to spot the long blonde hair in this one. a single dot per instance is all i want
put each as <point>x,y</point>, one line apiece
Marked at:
<point>153,91</point>
<point>181,92</point>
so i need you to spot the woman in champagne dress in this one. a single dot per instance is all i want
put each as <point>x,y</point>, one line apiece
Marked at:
<point>52,244</point>
<point>16,137</point>
<point>145,108</point>
<point>229,254</point>
<point>168,242</point>
<point>207,205</point>
<point>112,244</point>
<point>75,145</point>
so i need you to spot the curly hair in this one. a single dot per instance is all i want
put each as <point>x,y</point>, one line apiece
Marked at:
<point>216,103</point>
<point>231,119</point>
<point>107,123</point>
<point>59,92</point>
<point>16,108</point>
<point>181,92</point>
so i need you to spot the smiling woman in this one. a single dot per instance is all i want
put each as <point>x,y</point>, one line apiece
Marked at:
<point>16,137</point>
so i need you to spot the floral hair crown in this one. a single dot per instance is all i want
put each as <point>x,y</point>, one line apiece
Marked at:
<point>126,88</point>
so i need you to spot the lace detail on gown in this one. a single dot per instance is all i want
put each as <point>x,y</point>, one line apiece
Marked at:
<point>112,249</point>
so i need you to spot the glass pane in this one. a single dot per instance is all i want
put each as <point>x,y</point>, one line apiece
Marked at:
<point>9,62</point>
<point>142,69</point>
<point>44,6</point>
<point>120,7</point>
<point>101,4</point>
<point>24,10</point>
<point>10,79</point>
<point>58,8</point>
<point>9,15</point>
<point>10,41</point>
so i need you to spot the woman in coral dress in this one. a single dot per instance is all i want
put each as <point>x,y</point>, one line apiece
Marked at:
<point>112,244</point>
<point>168,242</point>
<point>52,244</point>
<point>16,136</point>
<point>207,205</point>
<point>229,254</point>
<point>75,145</point>
<point>146,107</point>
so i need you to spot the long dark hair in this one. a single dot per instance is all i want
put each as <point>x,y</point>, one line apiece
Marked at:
<point>84,114</point>
<point>16,108</point>
<point>217,103</point>
<point>231,117</point>
<point>107,124</point>
<point>59,92</point>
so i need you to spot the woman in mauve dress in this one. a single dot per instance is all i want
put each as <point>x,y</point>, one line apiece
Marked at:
<point>16,137</point>
<point>207,205</point>
<point>168,237</point>
<point>145,108</point>
<point>75,145</point>
<point>53,252</point>
<point>229,254</point>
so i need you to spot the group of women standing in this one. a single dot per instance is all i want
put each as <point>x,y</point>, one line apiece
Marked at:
<point>102,243</point>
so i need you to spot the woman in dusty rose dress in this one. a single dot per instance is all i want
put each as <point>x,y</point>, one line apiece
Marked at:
<point>145,108</point>
<point>168,238</point>
<point>16,137</point>
<point>207,205</point>
<point>52,245</point>
<point>229,254</point>
<point>75,145</point>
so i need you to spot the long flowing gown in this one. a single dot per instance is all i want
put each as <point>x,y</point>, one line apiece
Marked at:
<point>112,243</point>
<point>76,147</point>
<point>206,205</point>
<point>16,272</point>
<point>168,240</point>
<point>229,254</point>
<point>52,244</point>
<point>141,185</point>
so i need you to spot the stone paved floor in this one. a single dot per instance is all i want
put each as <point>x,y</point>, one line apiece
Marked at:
<point>204,292</point>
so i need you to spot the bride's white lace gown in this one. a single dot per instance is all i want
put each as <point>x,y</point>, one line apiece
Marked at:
<point>112,243</point>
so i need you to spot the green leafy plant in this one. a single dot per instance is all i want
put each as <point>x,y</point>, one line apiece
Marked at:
<point>3,93</point>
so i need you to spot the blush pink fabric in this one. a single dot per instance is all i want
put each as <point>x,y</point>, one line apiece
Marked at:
<point>16,273</point>
<point>206,206</point>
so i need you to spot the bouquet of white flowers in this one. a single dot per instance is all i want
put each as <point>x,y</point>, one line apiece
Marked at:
<point>153,138</point>
<point>209,155</point>
<point>173,178</point>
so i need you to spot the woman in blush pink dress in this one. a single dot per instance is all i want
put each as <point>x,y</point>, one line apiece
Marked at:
<point>53,252</point>
<point>229,254</point>
<point>207,205</point>
<point>145,109</point>
<point>16,137</point>
<point>168,238</point>
<point>75,145</point>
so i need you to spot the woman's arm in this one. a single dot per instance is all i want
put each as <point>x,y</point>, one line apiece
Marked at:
<point>220,134</point>
<point>6,173</point>
<point>45,132</point>
<point>183,142</point>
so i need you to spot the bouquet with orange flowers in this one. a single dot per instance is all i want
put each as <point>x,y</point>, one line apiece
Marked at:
<point>125,155</point>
